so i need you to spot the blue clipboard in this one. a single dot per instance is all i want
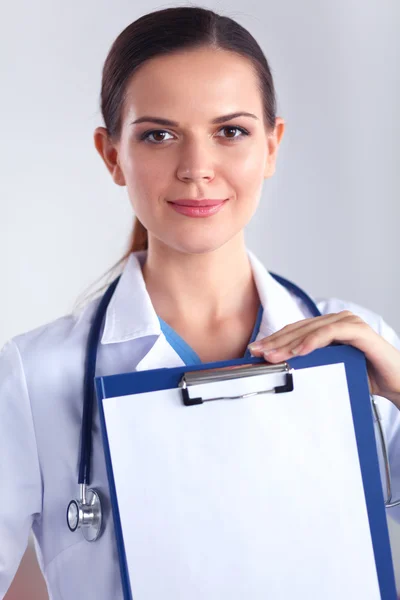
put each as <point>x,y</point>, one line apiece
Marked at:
<point>355,367</point>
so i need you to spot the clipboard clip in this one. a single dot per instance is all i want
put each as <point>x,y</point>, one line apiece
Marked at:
<point>234,372</point>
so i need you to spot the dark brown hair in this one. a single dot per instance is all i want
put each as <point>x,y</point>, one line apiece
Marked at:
<point>164,32</point>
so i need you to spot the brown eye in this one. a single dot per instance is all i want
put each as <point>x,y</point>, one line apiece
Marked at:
<point>159,133</point>
<point>146,136</point>
<point>233,128</point>
<point>230,130</point>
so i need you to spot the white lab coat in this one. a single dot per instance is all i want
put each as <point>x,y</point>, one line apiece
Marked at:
<point>41,395</point>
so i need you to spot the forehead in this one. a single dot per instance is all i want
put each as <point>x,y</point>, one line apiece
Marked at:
<point>201,82</point>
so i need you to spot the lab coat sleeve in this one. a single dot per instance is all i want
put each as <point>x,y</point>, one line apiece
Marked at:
<point>20,477</point>
<point>390,416</point>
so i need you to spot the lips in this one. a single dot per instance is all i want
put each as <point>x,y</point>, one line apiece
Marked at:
<point>204,202</point>
<point>197,208</point>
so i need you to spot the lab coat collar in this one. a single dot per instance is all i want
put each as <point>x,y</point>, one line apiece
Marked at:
<point>131,315</point>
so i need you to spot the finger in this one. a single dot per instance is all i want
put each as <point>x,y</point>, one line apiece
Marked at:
<point>340,331</point>
<point>310,324</point>
<point>295,331</point>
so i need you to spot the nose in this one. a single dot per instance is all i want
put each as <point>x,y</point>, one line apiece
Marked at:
<point>196,162</point>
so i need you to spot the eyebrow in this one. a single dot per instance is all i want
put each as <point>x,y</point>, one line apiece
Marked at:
<point>169,123</point>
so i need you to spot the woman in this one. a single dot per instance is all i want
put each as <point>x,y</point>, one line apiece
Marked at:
<point>191,130</point>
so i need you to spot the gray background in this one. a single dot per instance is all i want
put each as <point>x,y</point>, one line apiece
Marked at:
<point>328,219</point>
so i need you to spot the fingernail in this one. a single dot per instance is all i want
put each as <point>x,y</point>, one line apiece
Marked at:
<point>255,346</point>
<point>271,351</point>
<point>296,350</point>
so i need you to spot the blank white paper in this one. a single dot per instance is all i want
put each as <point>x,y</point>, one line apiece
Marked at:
<point>249,499</point>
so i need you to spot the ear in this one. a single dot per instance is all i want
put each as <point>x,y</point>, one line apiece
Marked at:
<point>274,139</point>
<point>109,153</point>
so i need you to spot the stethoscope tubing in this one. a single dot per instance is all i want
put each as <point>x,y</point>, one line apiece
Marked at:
<point>89,377</point>
<point>89,394</point>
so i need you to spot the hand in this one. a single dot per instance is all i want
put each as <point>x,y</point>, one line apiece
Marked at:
<point>302,337</point>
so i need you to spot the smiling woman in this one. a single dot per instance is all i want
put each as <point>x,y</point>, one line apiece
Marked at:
<point>190,129</point>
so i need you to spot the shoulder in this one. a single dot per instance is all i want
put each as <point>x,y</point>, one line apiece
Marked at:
<point>41,349</point>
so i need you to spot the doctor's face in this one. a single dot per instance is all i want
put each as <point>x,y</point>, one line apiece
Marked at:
<point>178,143</point>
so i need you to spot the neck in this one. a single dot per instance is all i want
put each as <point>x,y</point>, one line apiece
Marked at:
<point>214,286</point>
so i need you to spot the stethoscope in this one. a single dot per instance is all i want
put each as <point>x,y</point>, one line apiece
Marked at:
<point>86,512</point>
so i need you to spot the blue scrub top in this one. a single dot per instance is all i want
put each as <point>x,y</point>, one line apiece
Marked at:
<point>187,354</point>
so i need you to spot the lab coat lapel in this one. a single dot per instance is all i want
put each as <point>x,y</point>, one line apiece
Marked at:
<point>281,307</point>
<point>159,356</point>
<point>131,319</point>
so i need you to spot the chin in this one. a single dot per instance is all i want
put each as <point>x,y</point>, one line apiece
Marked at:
<point>199,244</point>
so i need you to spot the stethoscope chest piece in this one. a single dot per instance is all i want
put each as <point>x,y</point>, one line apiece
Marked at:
<point>86,514</point>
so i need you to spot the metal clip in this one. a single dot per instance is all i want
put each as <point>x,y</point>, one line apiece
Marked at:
<point>234,372</point>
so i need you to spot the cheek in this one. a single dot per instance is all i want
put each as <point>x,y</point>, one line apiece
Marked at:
<point>146,180</point>
<point>246,171</point>
<point>252,161</point>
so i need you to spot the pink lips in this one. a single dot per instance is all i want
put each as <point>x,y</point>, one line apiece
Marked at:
<point>197,208</point>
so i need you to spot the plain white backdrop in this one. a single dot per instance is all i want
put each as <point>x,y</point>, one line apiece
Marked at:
<point>328,219</point>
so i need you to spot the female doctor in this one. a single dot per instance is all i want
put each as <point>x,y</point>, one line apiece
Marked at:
<point>191,131</point>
